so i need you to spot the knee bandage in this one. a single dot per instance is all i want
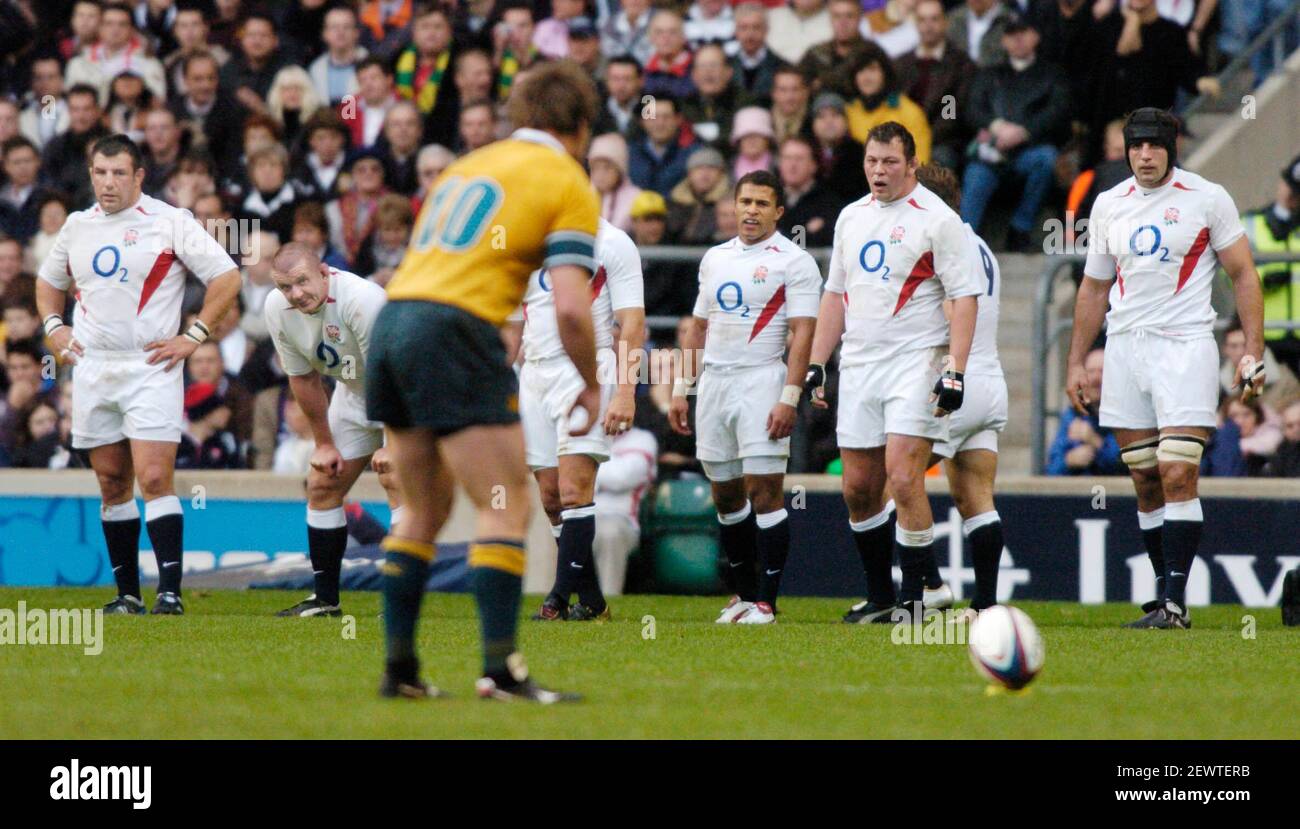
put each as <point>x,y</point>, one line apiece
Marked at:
<point>1181,449</point>
<point>1141,454</point>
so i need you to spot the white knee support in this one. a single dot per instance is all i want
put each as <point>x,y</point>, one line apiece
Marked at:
<point>1181,449</point>
<point>1141,454</point>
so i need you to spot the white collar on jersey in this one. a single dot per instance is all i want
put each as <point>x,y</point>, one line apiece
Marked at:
<point>774,240</point>
<point>538,137</point>
<point>138,205</point>
<point>1173,178</point>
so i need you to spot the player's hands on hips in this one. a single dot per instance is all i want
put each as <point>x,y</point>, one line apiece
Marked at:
<point>68,349</point>
<point>619,415</point>
<point>679,412</point>
<point>1076,388</point>
<point>176,350</point>
<point>327,460</point>
<point>586,408</point>
<point>381,462</point>
<point>949,390</point>
<point>780,421</point>
<point>1250,377</point>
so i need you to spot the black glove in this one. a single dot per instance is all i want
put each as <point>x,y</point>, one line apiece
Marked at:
<point>949,390</point>
<point>815,378</point>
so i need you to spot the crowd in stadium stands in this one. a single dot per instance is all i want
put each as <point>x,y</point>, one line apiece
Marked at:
<point>327,120</point>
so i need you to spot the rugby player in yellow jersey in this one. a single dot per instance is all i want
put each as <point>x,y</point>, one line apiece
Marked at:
<point>438,376</point>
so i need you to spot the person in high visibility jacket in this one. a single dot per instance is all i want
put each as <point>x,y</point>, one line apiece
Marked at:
<point>1276,229</point>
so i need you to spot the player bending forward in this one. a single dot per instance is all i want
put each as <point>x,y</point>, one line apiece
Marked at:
<point>1157,240</point>
<point>565,465</point>
<point>970,454</point>
<point>438,376</point>
<point>754,290</point>
<point>126,257</point>
<point>320,320</point>
<point>898,253</point>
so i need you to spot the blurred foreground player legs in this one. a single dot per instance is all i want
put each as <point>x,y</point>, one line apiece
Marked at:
<point>899,253</point>
<point>321,321</point>
<point>126,258</point>
<point>565,466</point>
<point>754,290</point>
<point>970,454</point>
<point>438,376</point>
<point>1158,238</point>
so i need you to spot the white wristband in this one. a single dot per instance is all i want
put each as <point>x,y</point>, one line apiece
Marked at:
<point>790,395</point>
<point>198,332</point>
<point>53,323</point>
<point>681,387</point>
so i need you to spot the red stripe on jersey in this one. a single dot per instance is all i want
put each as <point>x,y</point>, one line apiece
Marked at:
<point>597,283</point>
<point>142,210</point>
<point>914,204</point>
<point>1178,185</point>
<point>1120,277</point>
<point>769,310</point>
<point>1189,261</point>
<point>151,282</point>
<point>921,271</point>
<point>1131,188</point>
<point>329,300</point>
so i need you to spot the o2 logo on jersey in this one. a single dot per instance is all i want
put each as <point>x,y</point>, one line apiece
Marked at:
<point>987,259</point>
<point>872,259</point>
<point>458,214</point>
<point>327,355</point>
<point>731,298</point>
<point>541,281</point>
<point>107,263</point>
<point>1137,243</point>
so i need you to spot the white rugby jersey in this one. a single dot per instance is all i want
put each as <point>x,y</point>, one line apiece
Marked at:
<point>747,292</point>
<point>129,271</point>
<point>1158,246</point>
<point>983,357</point>
<point>336,339</point>
<point>895,263</point>
<point>616,285</point>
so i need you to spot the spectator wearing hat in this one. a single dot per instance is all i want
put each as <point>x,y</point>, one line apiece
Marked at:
<point>811,208</point>
<point>607,160</point>
<point>670,287</point>
<point>754,63</point>
<point>753,139</point>
<point>878,97</point>
<point>716,99</point>
<point>351,216</point>
<point>937,75</point>
<point>120,48</point>
<point>628,32</point>
<point>334,72</point>
<point>316,174</point>
<point>365,113</point>
<point>657,161</point>
<point>823,65</point>
<point>551,36</point>
<point>691,203</point>
<point>668,72</point>
<point>976,28</point>
<point>797,27</point>
<point>709,21</point>
<point>790,96</point>
<point>1276,229</point>
<point>584,44</point>
<point>1021,112</point>
<point>620,107</point>
<point>839,157</point>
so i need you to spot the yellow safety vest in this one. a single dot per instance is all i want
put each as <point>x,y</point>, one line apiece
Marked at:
<point>1281,301</point>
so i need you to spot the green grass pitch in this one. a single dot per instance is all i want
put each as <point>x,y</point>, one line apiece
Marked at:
<point>228,670</point>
